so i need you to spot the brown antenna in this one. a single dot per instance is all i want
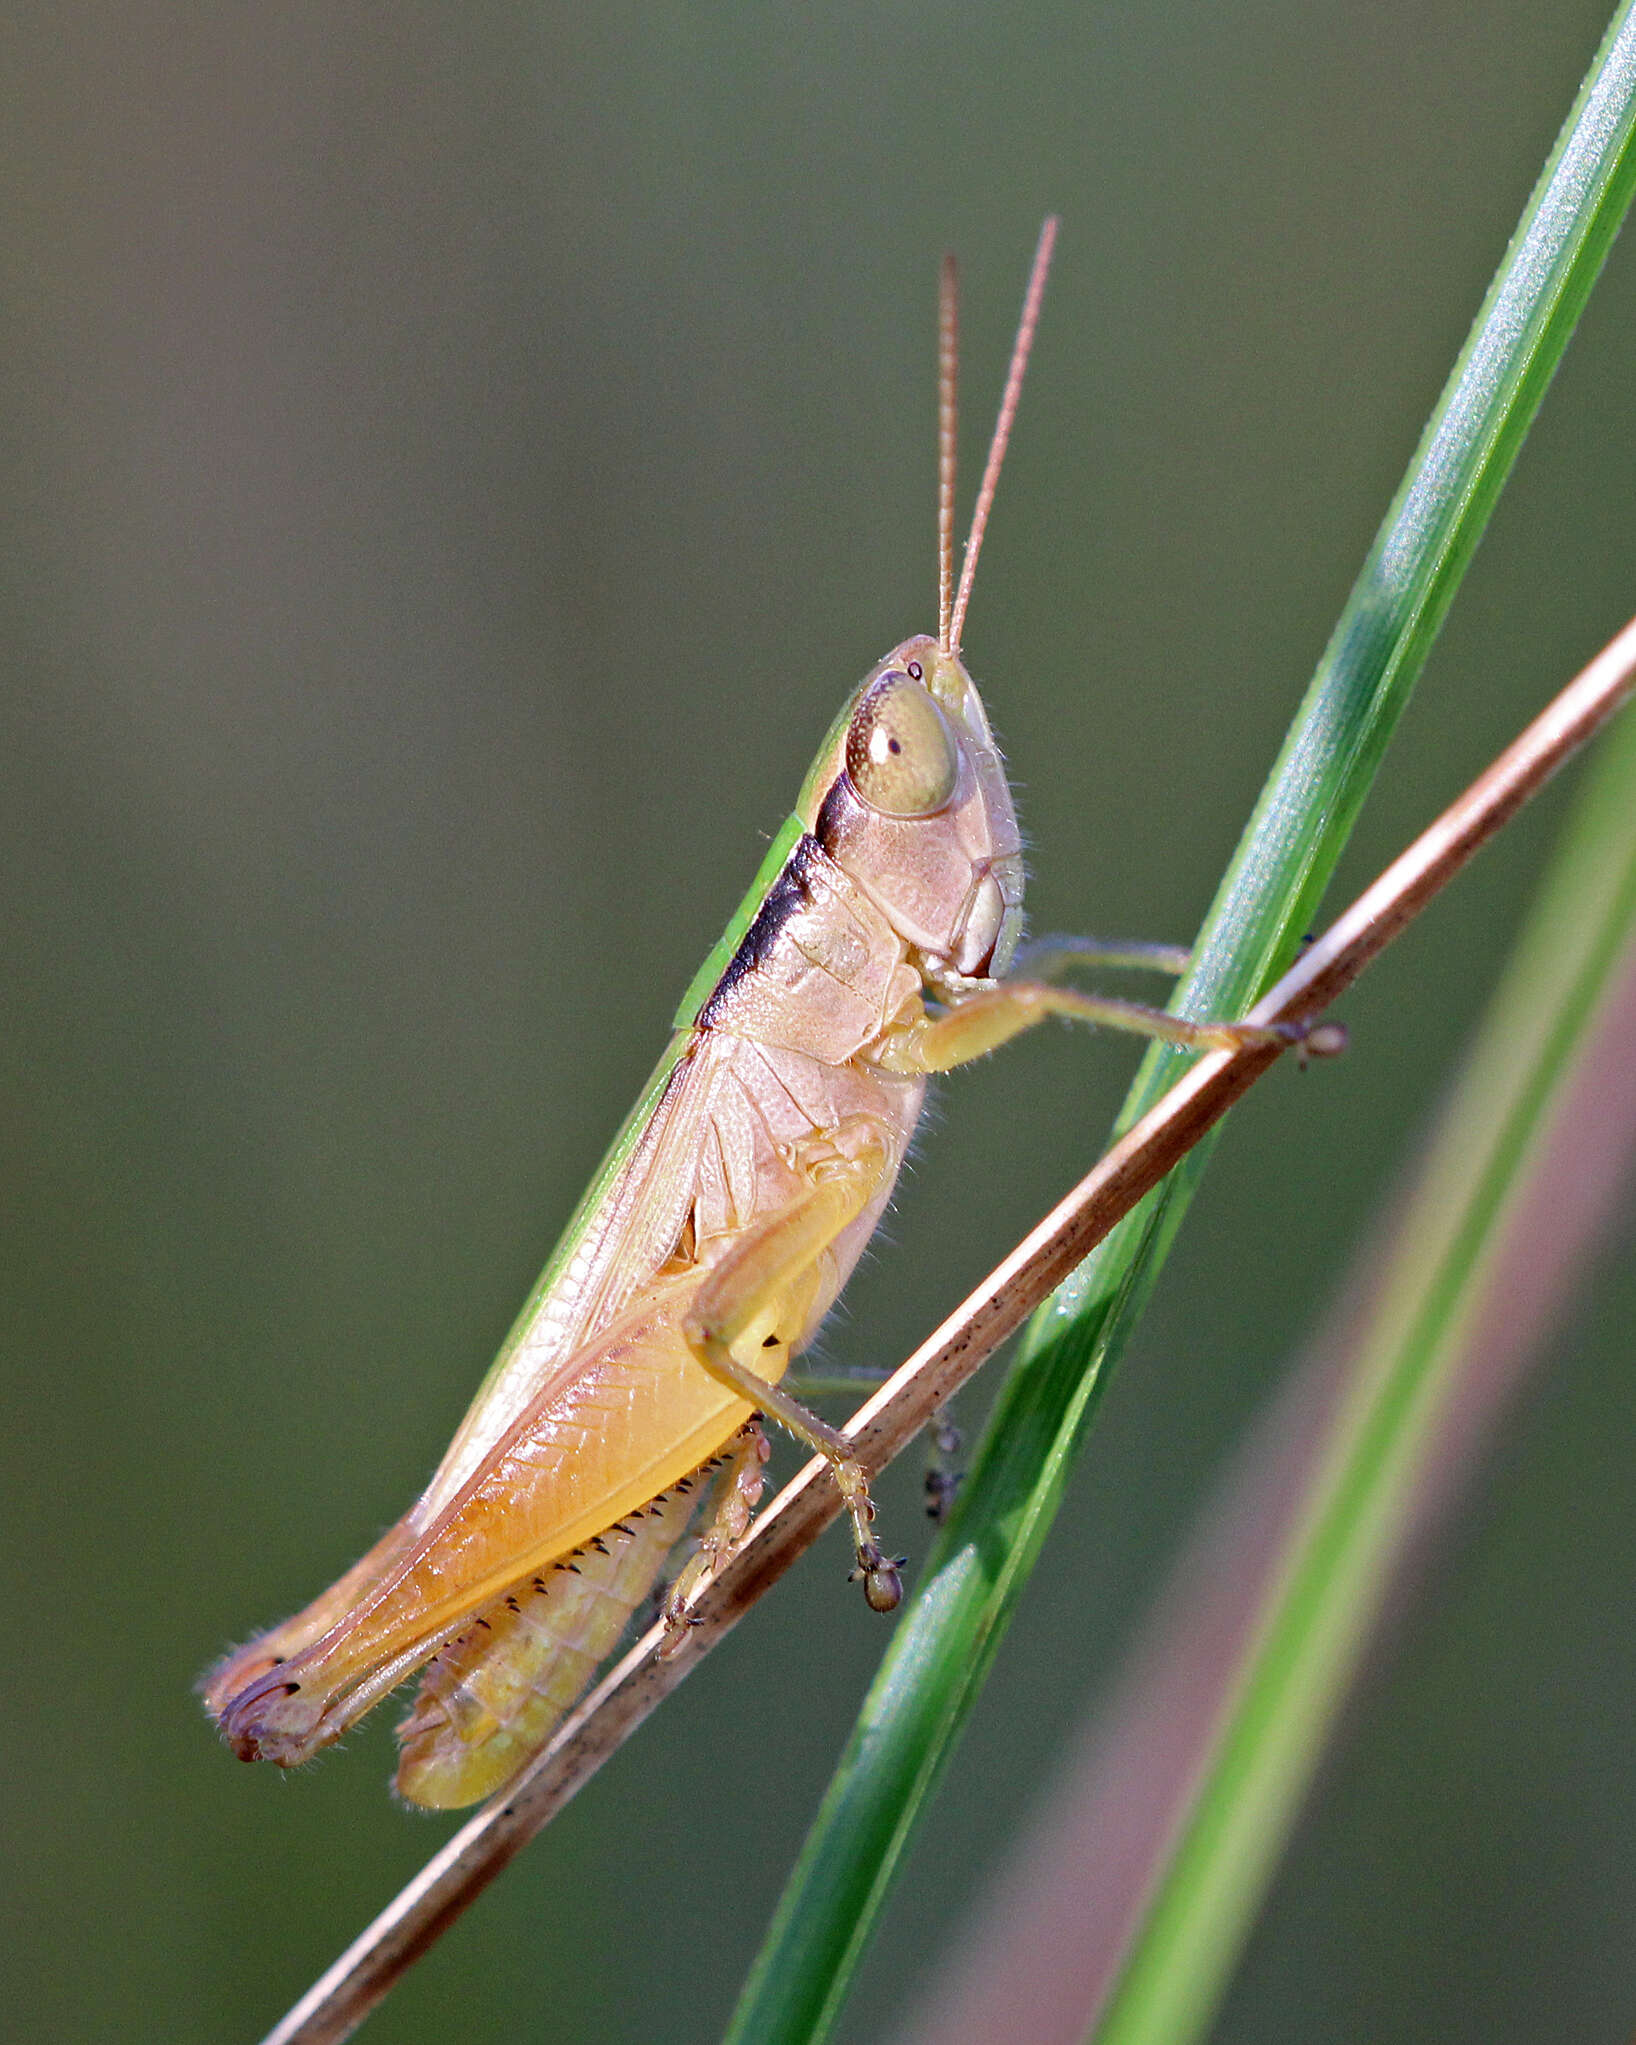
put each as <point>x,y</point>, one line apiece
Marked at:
<point>1002,426</point>
<point>948,423</point>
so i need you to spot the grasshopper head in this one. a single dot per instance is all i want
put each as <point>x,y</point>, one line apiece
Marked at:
<point>909,797</point>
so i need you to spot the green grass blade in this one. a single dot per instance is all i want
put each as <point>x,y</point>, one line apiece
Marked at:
<point>1337,1562</point>
<point>942,1649</point>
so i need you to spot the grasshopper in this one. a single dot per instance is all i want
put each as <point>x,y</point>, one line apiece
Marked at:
<point>872,951</point>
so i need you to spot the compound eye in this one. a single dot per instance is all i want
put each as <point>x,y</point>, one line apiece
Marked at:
<point>901,756</point>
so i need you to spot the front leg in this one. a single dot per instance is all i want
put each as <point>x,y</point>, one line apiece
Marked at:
<point>984,1014</point>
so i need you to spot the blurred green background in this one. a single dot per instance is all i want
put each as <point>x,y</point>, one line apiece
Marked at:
<point>456,462</point>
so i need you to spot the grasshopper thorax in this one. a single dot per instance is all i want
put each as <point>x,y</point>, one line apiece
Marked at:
<point>908,796</point>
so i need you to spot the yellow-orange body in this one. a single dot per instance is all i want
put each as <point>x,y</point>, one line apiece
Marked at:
<point>759,1163</point>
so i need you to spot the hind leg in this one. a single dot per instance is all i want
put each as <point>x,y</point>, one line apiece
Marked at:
<point>738,1493</point>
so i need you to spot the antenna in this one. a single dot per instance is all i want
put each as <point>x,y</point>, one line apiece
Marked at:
<point>948,422</point>
<point>1002,426</point>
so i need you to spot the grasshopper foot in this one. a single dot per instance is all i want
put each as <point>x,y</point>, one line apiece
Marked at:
<point>678,1625</point>
<point>882,1585</point>
<point>878,1574</point>
<point>1314,1040</point>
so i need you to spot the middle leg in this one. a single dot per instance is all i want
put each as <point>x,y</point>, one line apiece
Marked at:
<point>759,1294</point>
